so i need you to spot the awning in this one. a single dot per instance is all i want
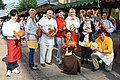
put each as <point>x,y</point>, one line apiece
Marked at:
<point>75,4</point>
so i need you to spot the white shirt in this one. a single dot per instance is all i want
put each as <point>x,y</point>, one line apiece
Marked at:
<point>9,27</point>
<point>86,38</point>
<point>108,24</point>
<point>47,23</point>
<point>69,22</point>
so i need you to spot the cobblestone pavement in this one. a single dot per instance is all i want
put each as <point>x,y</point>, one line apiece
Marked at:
<point>53,72</point>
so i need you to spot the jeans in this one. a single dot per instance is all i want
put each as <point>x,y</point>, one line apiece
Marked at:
<point>31,57</point>
<point>45,53</point>
<point>11,65</point>
<point>59,52</point>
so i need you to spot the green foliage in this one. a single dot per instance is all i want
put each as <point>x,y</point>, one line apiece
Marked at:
<point>2,5</point>
<point>25,5</point>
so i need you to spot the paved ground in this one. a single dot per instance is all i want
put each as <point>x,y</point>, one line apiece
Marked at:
<point>24,75</point>
<point>53,72</point>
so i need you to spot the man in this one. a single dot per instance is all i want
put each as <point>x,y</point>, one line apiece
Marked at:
<point>104,51</point>
<point>107,23</point>
<point>86,31</point>
<point>47,40</point>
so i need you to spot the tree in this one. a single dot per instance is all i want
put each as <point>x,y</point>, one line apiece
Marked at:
<point>2,5</point>
<point>25,5</point>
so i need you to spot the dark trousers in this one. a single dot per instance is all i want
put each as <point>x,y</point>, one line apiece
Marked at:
<point>31,57</point>
<point>86,52</point>
<point>11,65</point>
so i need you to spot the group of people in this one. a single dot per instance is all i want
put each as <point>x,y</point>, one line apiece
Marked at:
<point>66,33</point>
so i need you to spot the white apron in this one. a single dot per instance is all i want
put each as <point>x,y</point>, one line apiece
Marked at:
<point>106,59</point>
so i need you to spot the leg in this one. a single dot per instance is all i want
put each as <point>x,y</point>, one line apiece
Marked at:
<point>49,54</point>
<point>9,69</point>
<point>82,54</point>
<point>108,68</point>
<point>95,61</point>
<point>59,52</point>
<point>31,57</point>
<point>87,54</point>
<point>10,66</point>
<point>43,49</point>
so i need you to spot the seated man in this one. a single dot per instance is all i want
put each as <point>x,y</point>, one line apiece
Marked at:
<point>104,51</point>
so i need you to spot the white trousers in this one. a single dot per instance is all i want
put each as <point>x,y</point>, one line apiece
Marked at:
<point>45,53</point>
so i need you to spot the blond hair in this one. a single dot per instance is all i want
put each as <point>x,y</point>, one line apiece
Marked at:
<point>72,10</point>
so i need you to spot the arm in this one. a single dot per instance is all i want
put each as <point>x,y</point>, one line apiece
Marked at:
<point>109,45</point>
<point>80,29</point>
<point>78,22</point>
<point>55,26</point>
<point>93,28</point>
<point>28,27</point>
<point>112,28</point>
<point>67,23</point>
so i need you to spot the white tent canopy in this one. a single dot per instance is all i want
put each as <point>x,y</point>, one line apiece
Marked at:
<point>3,13</point>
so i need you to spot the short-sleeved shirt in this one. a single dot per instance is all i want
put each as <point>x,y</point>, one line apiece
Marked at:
<point>47,23</point>
<point>105,45</point>
<point>9,27</point>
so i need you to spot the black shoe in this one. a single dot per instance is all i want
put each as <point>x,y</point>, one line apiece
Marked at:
<point>82,62</point>
<point>95,69</point>
<point>86,62</point>
<point>35,65</point>
<point>43,65</point>
<point>34,68</point>
<point>49,63</point>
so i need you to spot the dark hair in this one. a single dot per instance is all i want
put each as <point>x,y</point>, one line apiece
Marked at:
<point>101,31</point>
<point>104,13</point>
<point>60,11</point>
<point>68,31</point>
<point>87,16</point>
<point>13,12</point>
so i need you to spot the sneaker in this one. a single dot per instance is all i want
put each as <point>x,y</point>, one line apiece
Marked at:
<point>16,71</point>
<point>8,74</point>
<point>60,62</point>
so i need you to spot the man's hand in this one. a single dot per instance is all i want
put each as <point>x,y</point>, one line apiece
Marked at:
<point>99,50</point>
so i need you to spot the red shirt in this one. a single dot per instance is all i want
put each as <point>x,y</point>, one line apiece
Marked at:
<point>60,24</point>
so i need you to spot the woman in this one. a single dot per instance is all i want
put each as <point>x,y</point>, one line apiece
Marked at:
<point>31,29</point>
<point>86,30</point>
<point>72,24</point>
<point>13,44</point>
<point>70,61</point>
<point>61,26</point>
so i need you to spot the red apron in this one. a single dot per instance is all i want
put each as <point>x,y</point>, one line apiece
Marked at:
<point>75,38</point>
<point>14,50</point>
